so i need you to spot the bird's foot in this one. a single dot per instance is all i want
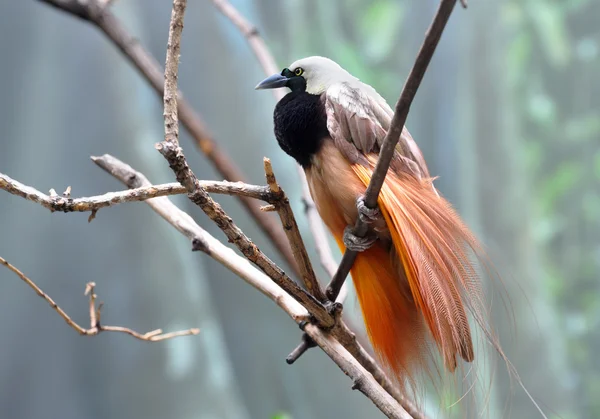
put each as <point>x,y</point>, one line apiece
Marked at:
<point>367,215</point>
<point>358,244</point>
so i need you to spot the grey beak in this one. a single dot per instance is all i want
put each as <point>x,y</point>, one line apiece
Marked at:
<point>272,82</point>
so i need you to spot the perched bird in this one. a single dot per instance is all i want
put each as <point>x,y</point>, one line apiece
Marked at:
<point>415,276</point>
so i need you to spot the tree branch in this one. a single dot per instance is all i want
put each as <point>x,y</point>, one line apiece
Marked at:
<point>95,326</point>
<point>177,161</point>
<point>290,227</point>
<point>102,17</point>
<point>267,62</point>
<point>370,385</point>
<point>432,37</point>
<point>65,203</point>
<point>201,240</point>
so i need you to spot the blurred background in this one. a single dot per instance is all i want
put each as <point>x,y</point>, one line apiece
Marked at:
<point>508,116</point>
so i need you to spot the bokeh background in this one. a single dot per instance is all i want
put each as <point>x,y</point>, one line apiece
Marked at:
<point>508,116</point>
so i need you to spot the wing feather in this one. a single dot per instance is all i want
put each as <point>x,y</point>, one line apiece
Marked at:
<point>358,119</point>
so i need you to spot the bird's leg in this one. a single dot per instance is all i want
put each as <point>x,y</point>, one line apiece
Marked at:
<point>373,219</point>
<point>370,216</point>
<point>356,243</point>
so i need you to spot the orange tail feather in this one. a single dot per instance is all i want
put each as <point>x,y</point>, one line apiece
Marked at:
<point>435,251</point>
<point>394,326</point>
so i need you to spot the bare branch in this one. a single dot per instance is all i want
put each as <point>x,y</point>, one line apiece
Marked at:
<point>203,241</point>
<point>434,33</point>
<point>200,239</point>
<point>200,197</point>
<point>267,62</point>
<point>67,204</point>
<point>150,69</point>
<point>250,32</point>
<point>178,163</point>
<point>171,68</point>
<point>95,326</point>
<point>290,227</point>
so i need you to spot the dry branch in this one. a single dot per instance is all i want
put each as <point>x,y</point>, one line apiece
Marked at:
<point>369,384</point>
<point>95,326</point>
<point>178,163</point>
<point>201,240</point>
<point>65,203</point>
<point>286,215</point>
<point>267,62</point>
<point>95,13</point>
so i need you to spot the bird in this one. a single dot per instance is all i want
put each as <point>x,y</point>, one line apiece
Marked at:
<point>416,274</point>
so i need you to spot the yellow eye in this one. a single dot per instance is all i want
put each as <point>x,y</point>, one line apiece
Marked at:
<point>299,71</point>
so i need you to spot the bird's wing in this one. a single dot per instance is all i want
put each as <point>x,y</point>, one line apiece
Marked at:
<point>358,119</point>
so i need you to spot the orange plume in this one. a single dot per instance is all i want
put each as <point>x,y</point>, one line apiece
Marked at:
<point>433,280</point>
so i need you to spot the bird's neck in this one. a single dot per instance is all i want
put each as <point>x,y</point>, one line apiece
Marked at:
<point>300,125</point>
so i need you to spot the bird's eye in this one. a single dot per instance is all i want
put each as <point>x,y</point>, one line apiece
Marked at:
<point>299,71</point>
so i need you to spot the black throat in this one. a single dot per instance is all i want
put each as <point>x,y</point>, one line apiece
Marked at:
<point>300,125</point>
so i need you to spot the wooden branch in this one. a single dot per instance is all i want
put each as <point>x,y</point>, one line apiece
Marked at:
<point>432,37</point>
<point>202,241</point>
<point>200,197</point>
<point>95,326</point>
<point>102,17</point>
<point>286,215</point>
<point>267,62</point>
<point>178,163</point>
<point>65,203</point>
<point>171,69</point>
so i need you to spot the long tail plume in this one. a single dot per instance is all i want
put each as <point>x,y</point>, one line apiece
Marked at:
<point>435,249</point>
<point>437,278</point>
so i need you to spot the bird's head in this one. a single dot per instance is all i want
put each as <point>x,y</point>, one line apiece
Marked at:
<point>312,75</point>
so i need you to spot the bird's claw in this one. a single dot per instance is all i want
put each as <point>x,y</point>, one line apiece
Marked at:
<point>367,215</point>
<point>358,244</point>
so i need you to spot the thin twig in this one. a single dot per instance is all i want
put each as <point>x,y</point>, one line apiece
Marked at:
<point>386,154</point>
<point>95,326</point>
<point>286,215</point>
<point>368,383</point>
<point>150,69</point>
<point>171,69</point>
<point>93,203</point>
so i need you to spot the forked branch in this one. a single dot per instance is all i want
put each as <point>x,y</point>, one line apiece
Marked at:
<point>65,203</point>
<point>95,310</point>
<point>96,13</point>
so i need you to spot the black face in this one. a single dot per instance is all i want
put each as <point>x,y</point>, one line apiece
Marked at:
<point>288,78</point>
<point>296,82</point>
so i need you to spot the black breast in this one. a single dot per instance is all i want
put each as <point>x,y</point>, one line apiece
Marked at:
<point>300,125</point>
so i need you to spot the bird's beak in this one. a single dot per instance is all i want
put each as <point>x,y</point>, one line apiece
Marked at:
<point>272,82</point>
